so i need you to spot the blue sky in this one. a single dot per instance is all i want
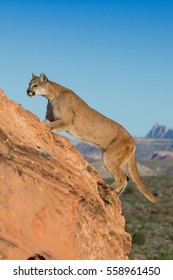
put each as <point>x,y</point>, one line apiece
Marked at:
<point>116,55</point>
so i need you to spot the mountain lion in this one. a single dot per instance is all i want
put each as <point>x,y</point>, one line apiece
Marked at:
<point>68,112</point>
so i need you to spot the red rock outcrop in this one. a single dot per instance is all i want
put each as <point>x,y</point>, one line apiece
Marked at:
<point>53,204</point>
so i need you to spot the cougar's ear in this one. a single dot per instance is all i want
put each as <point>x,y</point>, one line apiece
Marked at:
<point>43,77</point>
<point>34,76</point>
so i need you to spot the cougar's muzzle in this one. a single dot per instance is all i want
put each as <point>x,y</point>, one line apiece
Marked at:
<point>30,93</point>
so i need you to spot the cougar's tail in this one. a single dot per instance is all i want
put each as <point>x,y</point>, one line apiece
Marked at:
<point>134,174</point>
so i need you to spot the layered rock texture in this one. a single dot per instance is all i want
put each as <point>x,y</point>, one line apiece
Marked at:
<point>53,204</point>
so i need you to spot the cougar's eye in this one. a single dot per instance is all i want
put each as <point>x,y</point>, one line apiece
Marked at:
<point>34,86</point>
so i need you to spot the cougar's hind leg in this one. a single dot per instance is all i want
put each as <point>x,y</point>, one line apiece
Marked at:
<point>114,161</point>
<point>120,180</point>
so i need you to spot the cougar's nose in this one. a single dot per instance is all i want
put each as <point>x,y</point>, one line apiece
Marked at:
<point>28,92</point>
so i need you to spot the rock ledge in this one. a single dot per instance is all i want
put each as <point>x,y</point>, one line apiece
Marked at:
<point>53,204</point>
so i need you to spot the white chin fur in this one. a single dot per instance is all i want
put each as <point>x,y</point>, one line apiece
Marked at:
<point>31,94</point>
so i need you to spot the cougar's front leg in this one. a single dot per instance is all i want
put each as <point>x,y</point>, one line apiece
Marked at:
<point>58,125</point>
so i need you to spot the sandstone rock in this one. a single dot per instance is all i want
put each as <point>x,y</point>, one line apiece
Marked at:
<point>53,204</point>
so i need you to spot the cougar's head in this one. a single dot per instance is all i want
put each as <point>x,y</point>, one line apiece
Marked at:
<point>37,85</point>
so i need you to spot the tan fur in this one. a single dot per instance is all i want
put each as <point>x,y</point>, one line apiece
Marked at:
<point>68,112</point>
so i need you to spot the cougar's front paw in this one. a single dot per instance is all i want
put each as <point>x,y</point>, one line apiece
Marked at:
<point>46,122</point>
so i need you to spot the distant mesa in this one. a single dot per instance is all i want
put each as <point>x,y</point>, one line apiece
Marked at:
<point>162,155</point>
<point>160,132</point>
